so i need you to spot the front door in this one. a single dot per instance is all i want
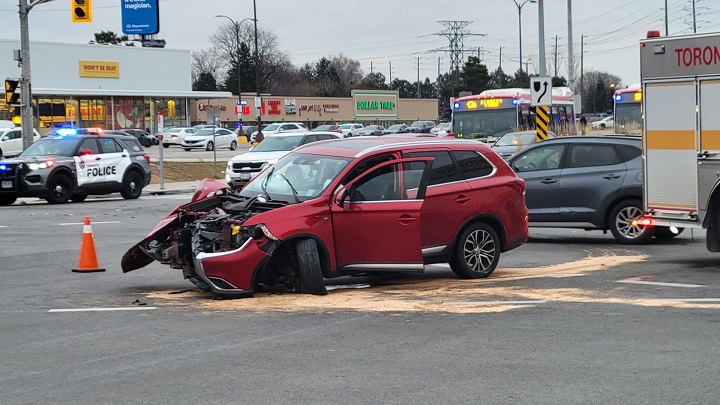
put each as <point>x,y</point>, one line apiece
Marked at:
<point>376,218</point>
<point>540,167</point>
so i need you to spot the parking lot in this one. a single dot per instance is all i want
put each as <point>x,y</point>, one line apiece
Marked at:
<point>569,308</point>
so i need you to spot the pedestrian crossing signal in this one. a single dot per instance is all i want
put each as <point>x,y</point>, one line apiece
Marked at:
<point>11,96</point>
<point>81,11</point>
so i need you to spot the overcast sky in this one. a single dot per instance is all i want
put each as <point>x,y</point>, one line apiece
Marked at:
<point>399,31</point>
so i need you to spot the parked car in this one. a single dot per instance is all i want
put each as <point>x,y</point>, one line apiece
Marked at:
<point>332,128</point>
<point>204,139</point>
<point>587,182</point>
<point>247,130</point>
<point>396,129</point>
<point>141,136</point>
<point>513,142</point>
<point>277,128</point>
<point>421,126</point>
<point>242,168</point>
<point>350,129</point>
<point>443,126</point>
<point>175,135</point>
<point>328,209</point>
<point>371,130</point>
<point>11,142</point>
<point>141,133</point>
<point>607,122</point>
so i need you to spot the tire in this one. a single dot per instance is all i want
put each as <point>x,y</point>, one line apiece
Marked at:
<point>233,145</point>
<point>59,189</point>
<point>78,197</point>
<point>132,186</point>
<point>187,149</point>
<point>602,126</point>
<point>667,232</point>
<point>308,264</point>
<point>209,147</point>
<point>7,200</point>
<point>166,145</point>
<point>621,226</point>
<point>477,252</point>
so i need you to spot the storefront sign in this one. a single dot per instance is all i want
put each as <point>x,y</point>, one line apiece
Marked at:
<point>91,68</point>
<point>331,108</point>
<point>376,104</point>
<point>290,106</point>
<point>310,107</point>
<point>274,107</point>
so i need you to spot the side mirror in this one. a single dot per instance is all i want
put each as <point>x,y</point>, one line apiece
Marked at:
<point>340,197</point>
<point>5,138</point>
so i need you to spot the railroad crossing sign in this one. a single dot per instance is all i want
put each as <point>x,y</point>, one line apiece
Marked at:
<point>540,91</point>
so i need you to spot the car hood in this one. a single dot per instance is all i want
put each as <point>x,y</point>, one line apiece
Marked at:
<point>196,138</point>
<point>259,156</point>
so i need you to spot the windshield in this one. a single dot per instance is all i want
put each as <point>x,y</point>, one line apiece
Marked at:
<point>396,126</point>
<point>173,130</point>
<point>346,126</point>
<point>278,143</point>
<point>628,118</point>
<point>271,127</point>
<point>481,124</point>
<point>204,132</point>
<point>417,124</point>
<point>52,147</point>
<point>371,127</point>
<point>517,138</point>
<point>309,175</point>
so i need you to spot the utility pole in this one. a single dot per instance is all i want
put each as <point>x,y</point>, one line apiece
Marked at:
<point>258,109</point>
<point>582,73</point>
<point>418,74</point>
<point>541,33</point>
<point>694,18</point>
<point>666,20</point>
<point>571,57</point>
<point>500,62</point>
<point>389,72</point>
<point>26,110</point>
<point>371,68</point>
<point>455,32</point>
<point>556,57</point>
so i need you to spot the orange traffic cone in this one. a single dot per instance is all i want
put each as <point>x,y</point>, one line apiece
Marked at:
<point>88,260</point>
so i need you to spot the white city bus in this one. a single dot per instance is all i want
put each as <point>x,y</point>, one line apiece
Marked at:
<point>628,110</point>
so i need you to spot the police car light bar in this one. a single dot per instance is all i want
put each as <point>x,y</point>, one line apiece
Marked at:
<point>67,131</point>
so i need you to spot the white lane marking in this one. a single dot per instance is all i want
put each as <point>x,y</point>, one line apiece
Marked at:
<point>102,309</point>
<point>686,300</point>
<point>495,303</point>
<point>636,280</point>
<point>3,226</point>
<point>347,286</point>
<point>91,223</point>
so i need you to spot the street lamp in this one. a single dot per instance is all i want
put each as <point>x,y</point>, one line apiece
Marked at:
<point>519,7</point>
<point>258,109</point>
<point>237,50</point>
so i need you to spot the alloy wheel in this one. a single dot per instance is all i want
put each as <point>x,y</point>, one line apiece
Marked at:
<point>627,222</point>
<point>479,250</point>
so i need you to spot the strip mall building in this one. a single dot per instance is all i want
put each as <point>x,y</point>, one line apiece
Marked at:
<point>115,87</point>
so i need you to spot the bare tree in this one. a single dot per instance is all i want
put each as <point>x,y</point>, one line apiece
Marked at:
<point>206,61</point>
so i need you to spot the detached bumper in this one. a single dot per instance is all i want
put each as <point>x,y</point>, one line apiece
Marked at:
<point>231,274</point>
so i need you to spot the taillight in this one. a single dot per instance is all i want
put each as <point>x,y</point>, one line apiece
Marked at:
<point>519,185</point>
<point>147,157</point>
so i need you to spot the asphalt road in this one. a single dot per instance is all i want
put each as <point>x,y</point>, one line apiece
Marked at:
<point>568,318</point>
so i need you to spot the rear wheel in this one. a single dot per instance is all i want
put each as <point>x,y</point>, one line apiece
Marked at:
<point>477,252</point>
<point>233,145</point>
<point>7,200</point>
<point>187,149</point>
<point>132,186</point>
<point>209,146</point>
<point>667,232</point>
<point>78,197</point>
<point>59,189</point>
<point>309,272</point>
<point>625,225</point>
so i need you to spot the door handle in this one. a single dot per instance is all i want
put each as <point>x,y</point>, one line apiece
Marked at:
<point>548,181</point>
<point>461,199</point>
<point>406,219</point>
<point>123,155</point>
<point>98,158</point>
<point>611,176</point>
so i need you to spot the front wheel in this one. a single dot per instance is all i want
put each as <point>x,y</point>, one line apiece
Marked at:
<point>233,145</point>
<point>309,272</point>
<point>477,252</point>
<point>602,126</point>
<point>132,186</point>
<point>209,147</point>
<point>625,223</point>
<point>7,200</point>
<point>166,145</point>
<point>59,189</point>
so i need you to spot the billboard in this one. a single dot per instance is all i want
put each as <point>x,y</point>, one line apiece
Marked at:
<point>140,17</point>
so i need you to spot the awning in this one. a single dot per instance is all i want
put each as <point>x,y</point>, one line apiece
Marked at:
<point>130,93</point>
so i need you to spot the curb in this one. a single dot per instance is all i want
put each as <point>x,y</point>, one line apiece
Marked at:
<point>169,191</point>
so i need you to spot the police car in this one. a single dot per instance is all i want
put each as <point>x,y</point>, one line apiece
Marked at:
<point>71,163</point>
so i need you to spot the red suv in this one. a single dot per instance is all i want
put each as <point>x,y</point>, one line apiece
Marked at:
<point>340,207</point>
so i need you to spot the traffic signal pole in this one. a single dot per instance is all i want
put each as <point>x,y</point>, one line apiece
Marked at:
<point>26,109</point>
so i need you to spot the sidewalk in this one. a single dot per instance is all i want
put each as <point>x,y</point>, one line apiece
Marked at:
<point>180,187</point>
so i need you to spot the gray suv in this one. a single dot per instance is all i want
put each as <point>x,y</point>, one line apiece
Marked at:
<point>587,182</point>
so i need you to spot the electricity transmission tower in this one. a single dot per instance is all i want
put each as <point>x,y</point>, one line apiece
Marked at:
<point>456,32</point>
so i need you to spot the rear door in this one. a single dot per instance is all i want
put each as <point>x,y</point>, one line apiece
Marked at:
<point>377,220</point>
<point>540,167</point>
<point>114,159</point>
<point>592,175</point>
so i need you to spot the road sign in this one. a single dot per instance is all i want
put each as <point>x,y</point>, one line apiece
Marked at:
<point>12,93</point>
<point>542,121</point>
<point>213,115</point>
<point>540,91</point>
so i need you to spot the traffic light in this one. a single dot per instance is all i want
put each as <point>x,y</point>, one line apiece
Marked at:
<point>11,95</point>
<point>81,11</point>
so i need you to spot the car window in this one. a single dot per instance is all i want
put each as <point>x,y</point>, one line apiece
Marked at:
<point>88,144</point>
<point>132,144</point>
<point>325,137</point>
<point>541,158</point>
<point>310,138</point>
<point>592,155</point>
<point>15,134</point>
<point>473,164</point>
<point>383,184</point>
<point>109,146</point>
<point>628,152</point>
<point>443,168</point>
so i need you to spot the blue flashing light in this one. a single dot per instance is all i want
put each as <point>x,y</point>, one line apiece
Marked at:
<point>515,101</point>
<point>67,131</point>
<point>3,168</point>
<point>456,106</point>
<point>618,97</point>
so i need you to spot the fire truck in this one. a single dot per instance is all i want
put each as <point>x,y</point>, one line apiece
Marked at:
<point>681,132</point>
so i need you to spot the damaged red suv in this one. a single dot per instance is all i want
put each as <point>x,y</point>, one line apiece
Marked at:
<point>343,207</point>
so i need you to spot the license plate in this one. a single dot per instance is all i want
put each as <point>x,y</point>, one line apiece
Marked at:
<point>7,184</point>
<point>244,176</point>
